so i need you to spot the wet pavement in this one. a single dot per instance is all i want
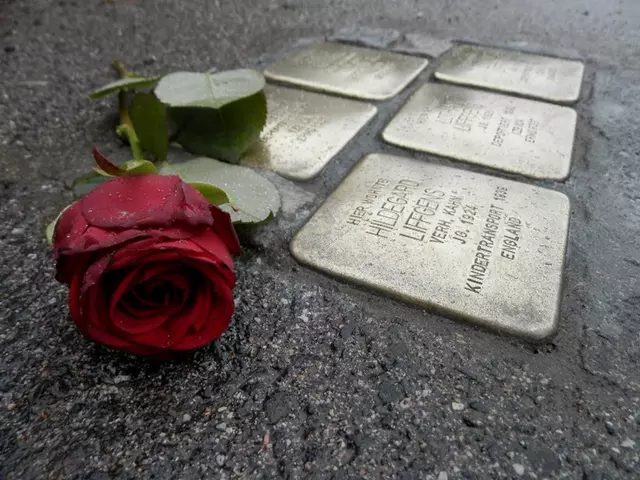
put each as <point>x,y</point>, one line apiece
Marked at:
<point>316,378</point>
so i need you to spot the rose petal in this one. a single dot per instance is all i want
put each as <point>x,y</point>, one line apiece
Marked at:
<point>96,239</point>
<point>155,253</point>
<point>70,225</point>
<point>118,343</point>
<point>75,301</point>
<point>206,247</point>
<point>151,314</point>
<point>181,322</point>
<point>93,325</point>
<point>140,201</point>
<point>156,338</point>
<point>213,244</point>
<point>129,326</point>
<point>94,273</point>
<point>221,271</point>
<point>224,229</point>
<point>68,267</point>
<point>87,312</point>
<point>95,309</point>
<point>210,324</point>
<point>129,207</point>
<point>124,285</point>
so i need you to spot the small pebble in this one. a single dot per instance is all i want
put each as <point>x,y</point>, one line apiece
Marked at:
<point>479,406</point>
<point>519,469</point>
<point>221,426</point>
<point>457,406</point>
<point>17,231</point>
<point>628,443</point>
<point>220,459</point>
<point>443,476</point>
<point>610,428</point>
<point>186,417</point>
<point>121,379</point>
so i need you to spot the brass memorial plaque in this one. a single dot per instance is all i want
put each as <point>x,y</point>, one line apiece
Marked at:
<point>513,134</point>
<point>348,70</point>
<point>481,248</point>
<point>548,78</point>
<point>305,130</point>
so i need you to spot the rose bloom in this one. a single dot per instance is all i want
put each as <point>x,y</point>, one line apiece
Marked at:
<point>148,263</point>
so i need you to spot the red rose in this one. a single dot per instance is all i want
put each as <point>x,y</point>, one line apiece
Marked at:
<point>148,262</point>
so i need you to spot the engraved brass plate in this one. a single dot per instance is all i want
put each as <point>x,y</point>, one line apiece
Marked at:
<point>538,76</point>
<point>481,248</point>
<point>348,70</point>
<point>517,135</point>
<point>305,130</point>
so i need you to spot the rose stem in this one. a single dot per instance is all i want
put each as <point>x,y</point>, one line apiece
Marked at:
<point>125,129</point>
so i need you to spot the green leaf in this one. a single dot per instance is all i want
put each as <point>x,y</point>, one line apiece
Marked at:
<point>101,172</point>
<point>215,195</point>
<point>124,84</point>
<point>51,228</point>
<point>138,167</point>
<point>149,118</point>
<point>255,199</point>
<point>209,90</point>
<point>87,182</point>
<point>218,115</point>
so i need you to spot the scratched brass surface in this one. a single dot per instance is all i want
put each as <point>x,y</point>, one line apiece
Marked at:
<point>471,246</point>
<point>517,135</point>
<point>348,70</point>
<point>305,130</point>
<point>539,76</point>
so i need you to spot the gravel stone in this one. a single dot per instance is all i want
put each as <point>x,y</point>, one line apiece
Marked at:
<point>543,459</point>
<point>479,406</point>
<point>277,407</point>
<point>611,429</point>
<point>389,393</point>
<point>473,419</point>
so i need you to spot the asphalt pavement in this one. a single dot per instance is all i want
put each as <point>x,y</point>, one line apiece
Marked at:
<point>315,378</point>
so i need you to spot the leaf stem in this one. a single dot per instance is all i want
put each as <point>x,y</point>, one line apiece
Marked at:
<point>125,130</point>
<point>128,132</point>
<point>122,70</point>
<point>123,108</point>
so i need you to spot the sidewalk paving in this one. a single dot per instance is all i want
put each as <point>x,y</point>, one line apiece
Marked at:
<point>316,378</point>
